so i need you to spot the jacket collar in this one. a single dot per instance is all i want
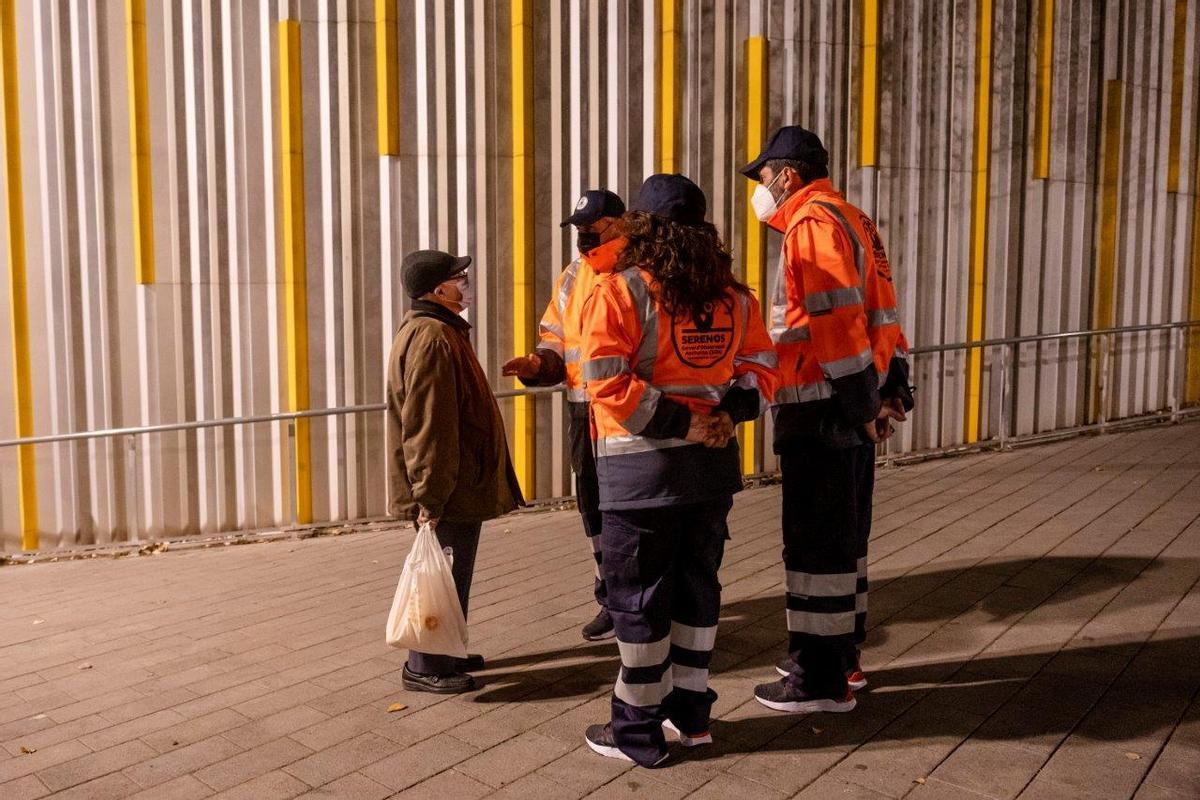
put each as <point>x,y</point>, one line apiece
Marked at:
<point>603,259</point>
<point>784,215</point>
<point>428,308</point>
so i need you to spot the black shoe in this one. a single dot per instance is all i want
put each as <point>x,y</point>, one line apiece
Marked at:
<point>472,663</point>
<point>456,683</point>
<point>600,628</point>
<point>600,739</point>
<point>782,696</point>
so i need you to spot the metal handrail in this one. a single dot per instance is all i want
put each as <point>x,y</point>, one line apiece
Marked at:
<point>507,393</point>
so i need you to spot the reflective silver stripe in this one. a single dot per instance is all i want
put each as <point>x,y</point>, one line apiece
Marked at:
<point>848,366</point>
<point>644,654</point>
<point>595,540</point>
<point>627,445</point>
<point>577,395</point>
<point>805,393</point>
<point>572,355</point>
<point>820,624</point>
<point>704,391</point>
<point>809,584</point>
<point>790,335</point>
<point>750,381</point>
<point>643,694</point>
<point>643,302</point>
<point>862,567</point>
<point>779,301</point>
<point>766,358</point>
<point>604,367</point>
<point>692,678</point>
<point>879,317</point>
<point>553,345</point>
<point>821,302</point>
<point>860,603</point>
<point>547,327</point>
<point>690,637</point>
<point>644,411</point>
<point>568,283</point>
<point>850,234</point>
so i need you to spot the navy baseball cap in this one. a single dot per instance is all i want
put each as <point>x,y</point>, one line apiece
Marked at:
<point>672,197</point>
<point>793,143</point>
<point>594,205</point>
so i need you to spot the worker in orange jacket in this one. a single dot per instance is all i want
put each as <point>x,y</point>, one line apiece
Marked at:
<point>557,360</point>
<point>675,355</point>
<point>844,378</point>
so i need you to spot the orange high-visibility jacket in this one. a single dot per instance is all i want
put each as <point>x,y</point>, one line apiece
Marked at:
<point>646,373</point>
<point>833,314</point>
<point>561,328</point>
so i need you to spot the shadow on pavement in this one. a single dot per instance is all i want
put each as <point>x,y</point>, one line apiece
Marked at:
<point>1055,688</point>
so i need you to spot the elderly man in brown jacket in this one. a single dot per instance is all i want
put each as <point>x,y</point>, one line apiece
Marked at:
<point>448,459</point>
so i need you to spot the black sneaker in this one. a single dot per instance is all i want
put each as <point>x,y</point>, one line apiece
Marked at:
<point>782,696</point>
<point>855,677</point>
<point>600,628</point>
<point>472,663</point>
<point>600,739</point>
<point>456,683</point>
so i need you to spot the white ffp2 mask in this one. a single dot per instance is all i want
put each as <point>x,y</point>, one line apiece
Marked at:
<point>764,203</point>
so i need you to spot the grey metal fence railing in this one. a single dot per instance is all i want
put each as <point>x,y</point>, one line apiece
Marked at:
<point>1106,351</point>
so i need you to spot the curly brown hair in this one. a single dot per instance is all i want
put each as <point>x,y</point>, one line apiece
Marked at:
<point>692,266</point>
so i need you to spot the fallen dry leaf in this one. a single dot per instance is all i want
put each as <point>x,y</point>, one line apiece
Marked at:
<point>817,730</point>
<point>1134,756</point>
<point>920,781</point>
<point>28,750</point>
<point>85,666</point>
<point>38,621</point>
<point>396,707</point>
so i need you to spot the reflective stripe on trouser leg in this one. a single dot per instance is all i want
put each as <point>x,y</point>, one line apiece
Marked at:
<point>860,603</point>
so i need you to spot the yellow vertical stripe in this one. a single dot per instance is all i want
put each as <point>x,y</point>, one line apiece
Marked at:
<point>977,280</point>
<point>1178,79</point>
<point>27,507</point>
<point>139,141</point>
<point>667,84</point>
<point>295,278</point>
<point>1045,89</point>
<point>1105,274</point>
<point>868,144</point>
<point>523,253</point>
<point>387,78</point>
<point>756,121</point>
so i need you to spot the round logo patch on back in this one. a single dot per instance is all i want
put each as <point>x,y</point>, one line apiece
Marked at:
<point>703,342</point>
<point>582,204</point>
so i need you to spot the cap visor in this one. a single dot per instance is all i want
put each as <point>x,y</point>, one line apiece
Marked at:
<point>460,265</point>
<point>752,169</point>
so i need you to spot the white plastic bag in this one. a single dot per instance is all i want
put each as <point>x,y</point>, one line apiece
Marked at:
<point>426,615</point>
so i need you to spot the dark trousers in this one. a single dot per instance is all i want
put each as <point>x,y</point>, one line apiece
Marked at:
<point>660,565</point>
<point>587,485</point>
<point>826,524</point>
<point>463,539</point>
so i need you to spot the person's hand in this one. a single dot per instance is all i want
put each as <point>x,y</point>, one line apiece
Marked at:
<point>722,431</point>
<point>526,367</point>
<point>701,428</point>
<point>895,409</point>
<point>424,518</point>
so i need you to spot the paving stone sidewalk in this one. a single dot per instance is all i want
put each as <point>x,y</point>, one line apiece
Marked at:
<point>1035,632</point>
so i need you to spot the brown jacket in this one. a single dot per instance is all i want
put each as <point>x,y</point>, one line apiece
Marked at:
<point>446,445</point>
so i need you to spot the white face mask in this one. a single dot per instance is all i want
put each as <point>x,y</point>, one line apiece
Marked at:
<point>468,295</point>
<point>764,202</point>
